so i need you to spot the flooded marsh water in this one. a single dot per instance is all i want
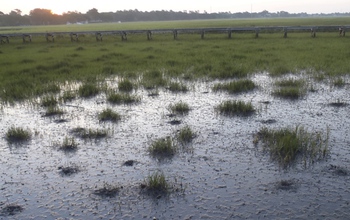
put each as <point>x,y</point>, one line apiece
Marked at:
<point>221,175</point>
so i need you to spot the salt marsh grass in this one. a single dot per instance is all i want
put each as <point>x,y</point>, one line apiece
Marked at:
<point>48,101</point>
<point>177,87</point>
<point>243,85</point>
<point>162,148</point>
<point>89,133</point>
<point>88,90</point>
<point>286,145</point>
<point>53,111</point>
<point>179,108</point>
<point>109,115</point>
<point>185,135</point>
<point>122,98</point>
<point>69,145</point>
<point>18,134</point>
<point>156,183</point>
<point>290,89</point>
<point>125,85</point>
<point>235,108</point>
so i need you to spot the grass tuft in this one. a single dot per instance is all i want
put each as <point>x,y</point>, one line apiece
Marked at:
<point>286,145</point>
<point>88,90</point>
<point>163,147</point>
<point>235,108</point>
<point>185,135</point>
<point>121,98</point>
<point>52,111</point>
<point>48,101</point>
<point>156,183</point>
<point>177,87</point>
<point>243,85</point>
<point>179,108</point>
<point>89,133</point>
<point>109,115</point>
<point>17,134</point>
<point>125,85</point>
<point>290,89</point>
<point>69,145</point>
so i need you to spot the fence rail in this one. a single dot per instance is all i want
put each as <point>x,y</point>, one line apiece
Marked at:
<point>50,36</point>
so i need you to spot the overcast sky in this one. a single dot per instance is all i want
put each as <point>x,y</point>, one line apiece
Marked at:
<point>292,6</point>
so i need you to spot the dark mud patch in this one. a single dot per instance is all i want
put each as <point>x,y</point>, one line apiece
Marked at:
<point>107,191</point>
<point>61,120</point>
<point>11,210</point>
<point>338,170</point>
<point>268,121</point>
<point>174,122</point>
<point>287,185</point>
<point>338,104</point>
<point>68,171</point>
<point>130,163</point>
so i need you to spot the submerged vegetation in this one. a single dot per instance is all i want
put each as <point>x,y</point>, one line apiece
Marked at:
<point>286,145</point>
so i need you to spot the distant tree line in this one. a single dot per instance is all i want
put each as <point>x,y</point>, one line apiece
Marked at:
<point>39,16</point>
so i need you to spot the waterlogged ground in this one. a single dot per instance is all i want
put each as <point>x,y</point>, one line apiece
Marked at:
<point>220,175</point>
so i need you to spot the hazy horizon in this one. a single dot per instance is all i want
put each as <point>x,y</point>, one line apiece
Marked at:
<point>210,6</point>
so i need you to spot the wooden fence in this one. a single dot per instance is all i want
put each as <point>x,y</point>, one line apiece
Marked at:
<point>284,30</point>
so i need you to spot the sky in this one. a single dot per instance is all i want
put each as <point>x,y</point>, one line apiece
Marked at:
<point>291,6</point>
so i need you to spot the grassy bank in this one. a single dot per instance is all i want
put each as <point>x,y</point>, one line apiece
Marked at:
<point>38,68</point>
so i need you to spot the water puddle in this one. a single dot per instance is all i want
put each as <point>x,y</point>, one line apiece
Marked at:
<point>223,175</point>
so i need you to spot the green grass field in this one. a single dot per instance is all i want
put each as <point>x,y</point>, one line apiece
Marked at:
<point>39,68</point>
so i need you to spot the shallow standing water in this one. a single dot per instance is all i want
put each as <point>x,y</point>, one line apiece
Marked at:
<point>223,175</point>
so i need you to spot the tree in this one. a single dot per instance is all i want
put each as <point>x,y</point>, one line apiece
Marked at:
<point>41,16</point>
<point>93,14</point>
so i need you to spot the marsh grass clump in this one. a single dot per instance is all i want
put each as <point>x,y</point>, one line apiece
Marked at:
<point>243,85</point>
<point>107,191</point>
<point>48,101</point>
<point>177,87</point>
<point>290,89</point>
<point>89,133</point>
<point>69,145</point>
<point>53,111</point>
<point>67,96</point>
<point>88,90</point>
<point>125,85</point>
<point>68,170</point>
<point>109,115</point>
<point>185,135</point>
<point>287,145</point>
<point>179,108</point>
<point>153,79</point>
<point>235,108</point>
<point>17,134</point>
<point>122,98</point>
<point>156,183</point>
<point>163,147</point>
<point>339,82</point>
